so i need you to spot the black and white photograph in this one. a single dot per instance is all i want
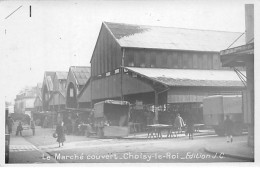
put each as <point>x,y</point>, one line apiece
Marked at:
<point>109,81</point>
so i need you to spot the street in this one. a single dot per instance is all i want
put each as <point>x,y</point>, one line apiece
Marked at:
<point>43,148</point>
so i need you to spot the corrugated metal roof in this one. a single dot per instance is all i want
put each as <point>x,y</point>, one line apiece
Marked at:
<point>189,77</point>
<point>61,75</point>
<point>81,73</point>
<point>155,37</point>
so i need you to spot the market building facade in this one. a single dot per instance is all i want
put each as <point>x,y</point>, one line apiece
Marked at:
<point>167,69</point>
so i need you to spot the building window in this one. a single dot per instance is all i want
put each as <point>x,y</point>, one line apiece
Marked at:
<point>116,71</point>
<point>108,74</point>
<point>71,92</point>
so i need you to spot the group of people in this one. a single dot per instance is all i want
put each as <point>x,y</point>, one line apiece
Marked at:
<point>179,124</point>
<point>19,128</point>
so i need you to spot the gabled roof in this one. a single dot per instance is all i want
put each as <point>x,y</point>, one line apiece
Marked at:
<point>37,101</point>
<point>81,74</point>
<point>48,78</point>
<point>171,38</point>
<point>84,88</point>
<point>189,77</point>
<point>61,75</point>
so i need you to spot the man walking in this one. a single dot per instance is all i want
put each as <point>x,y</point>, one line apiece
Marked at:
<point>228,126</point>
<point>19,129</point>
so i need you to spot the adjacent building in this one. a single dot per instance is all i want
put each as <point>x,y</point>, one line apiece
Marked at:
<point>24,101</point>
<point>57,100</point>
<point>38,99</point>
<point>47,89</point>
<point>77,78</point>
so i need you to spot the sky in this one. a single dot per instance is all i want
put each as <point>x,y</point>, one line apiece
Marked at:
<point>60,34</point>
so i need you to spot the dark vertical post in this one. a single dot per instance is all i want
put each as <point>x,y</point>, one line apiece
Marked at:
<point>122,72</point>
<point>91,102</point>
<point>121,80</point>
<point>30,11</point>
<point>156,105</point>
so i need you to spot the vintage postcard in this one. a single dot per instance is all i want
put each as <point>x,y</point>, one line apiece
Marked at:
<point>128,81</point>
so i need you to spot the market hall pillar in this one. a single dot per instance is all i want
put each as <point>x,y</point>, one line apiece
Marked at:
<point>250,97</point>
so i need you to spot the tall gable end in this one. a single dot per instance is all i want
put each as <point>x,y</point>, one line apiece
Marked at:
<point>107,54</point>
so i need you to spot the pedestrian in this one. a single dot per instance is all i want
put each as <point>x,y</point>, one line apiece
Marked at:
<point>228,126</point>
<point>60,132</point>
<point>190,126</point>
<point>19,129</point>
<point>33,127</point>
<point>10,123</point>
<point>179,123</point>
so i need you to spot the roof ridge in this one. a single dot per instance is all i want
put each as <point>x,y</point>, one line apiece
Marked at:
<point>61,72</point>
<point>80,66</point>
<point>105,22</point>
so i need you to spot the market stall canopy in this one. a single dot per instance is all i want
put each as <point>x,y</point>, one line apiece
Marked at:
<point>189,77</point>
<point>237,56</point>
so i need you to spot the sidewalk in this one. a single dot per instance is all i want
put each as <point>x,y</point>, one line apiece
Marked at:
<point>43,136</point>
<point>237,149</point>
<point>143,135</point>
<point>22,151</point>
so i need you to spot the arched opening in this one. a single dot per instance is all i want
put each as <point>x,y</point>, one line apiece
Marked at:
<point>71,100</point>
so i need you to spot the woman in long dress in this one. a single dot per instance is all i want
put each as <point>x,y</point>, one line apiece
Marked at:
<point>60,132</point>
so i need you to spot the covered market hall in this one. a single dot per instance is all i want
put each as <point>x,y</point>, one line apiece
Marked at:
<point>161,71</point>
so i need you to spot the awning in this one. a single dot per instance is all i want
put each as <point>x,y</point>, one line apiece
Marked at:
<point>189,77</point>
<point>77,110</point>
<point>237,56</point>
